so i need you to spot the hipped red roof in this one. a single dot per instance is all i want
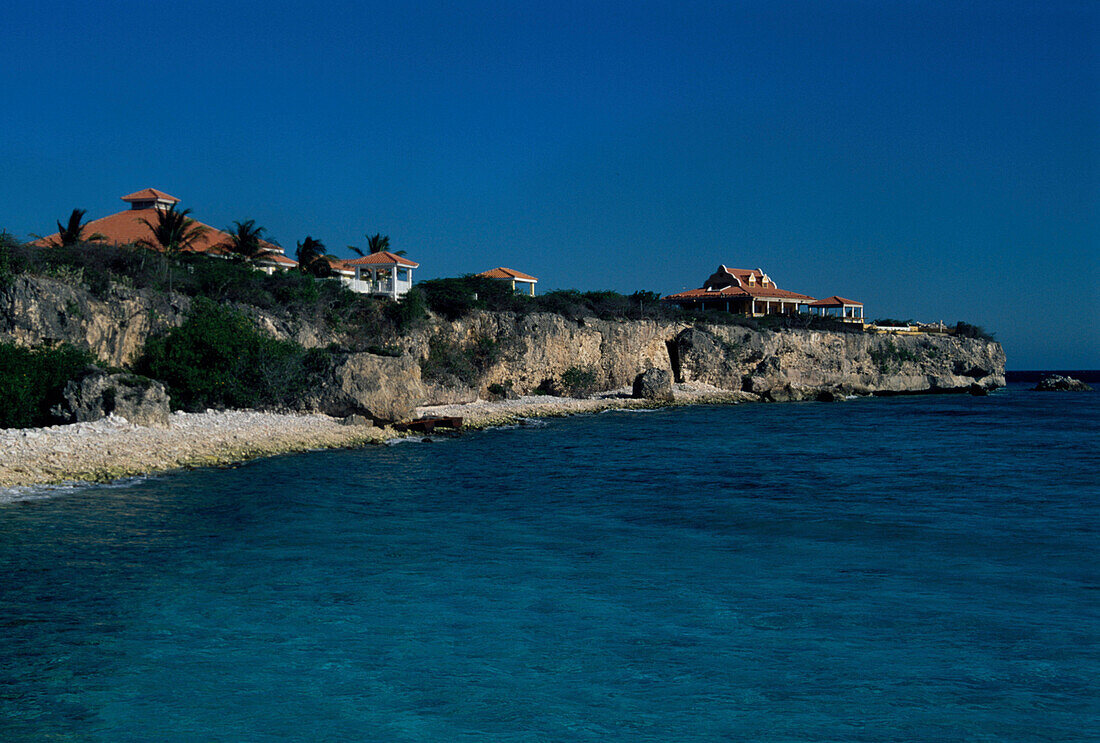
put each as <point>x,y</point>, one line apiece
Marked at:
<point>127,228</point>
<point>384,257</point>
<point>749,292</point>
<point>835,301</point>
<point>500,272</point>
<point>150,194</point>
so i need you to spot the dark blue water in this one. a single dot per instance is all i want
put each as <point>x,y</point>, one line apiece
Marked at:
<point>907,569</point>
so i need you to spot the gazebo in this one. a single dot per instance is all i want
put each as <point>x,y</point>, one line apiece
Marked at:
<point>520,281</point>
<point>846,310</point>
<point>385,274</point>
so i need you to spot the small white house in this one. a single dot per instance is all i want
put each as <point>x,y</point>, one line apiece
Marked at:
<point>380,274</point>
<point>521,282</point>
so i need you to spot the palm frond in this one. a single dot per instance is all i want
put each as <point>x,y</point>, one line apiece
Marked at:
<point>378,243</point>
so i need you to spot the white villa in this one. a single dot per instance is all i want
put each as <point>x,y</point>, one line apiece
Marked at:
<point>382,274</point>
<point>521,282</point>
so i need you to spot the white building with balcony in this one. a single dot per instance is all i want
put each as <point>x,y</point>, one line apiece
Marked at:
<point>383,274</point>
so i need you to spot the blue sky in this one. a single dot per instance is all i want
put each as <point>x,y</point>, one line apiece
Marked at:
<point>934,160</point>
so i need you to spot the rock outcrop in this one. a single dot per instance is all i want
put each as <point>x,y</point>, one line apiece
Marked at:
<point>799,364</point>
<point>654,384</point>
<point>97,394</point>
<point>382,388</point>
<point>1058,383</point>
<point>536,350</point>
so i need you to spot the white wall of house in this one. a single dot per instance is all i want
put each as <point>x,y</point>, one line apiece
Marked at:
<point>384,281</point>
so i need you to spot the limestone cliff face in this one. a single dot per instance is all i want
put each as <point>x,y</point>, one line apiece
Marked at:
<point>778,365</point>
<point>534,349</point>
<point>529,351</point>
<point>796,364</point>
<point>37,311</point>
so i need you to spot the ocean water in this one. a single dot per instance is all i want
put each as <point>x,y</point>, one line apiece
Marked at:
<point>904,569</point>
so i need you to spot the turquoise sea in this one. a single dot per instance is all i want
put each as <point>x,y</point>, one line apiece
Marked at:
<point>903,569</point>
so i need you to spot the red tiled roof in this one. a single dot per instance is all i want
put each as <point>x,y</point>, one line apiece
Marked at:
<point>148,194</point>
<point>835,301</point>
<point>340,266</point>
<point>501,272</point>
<point>127,227</point>
<point>385,258</point>
<point>754,292</point>
<point>278,259</point>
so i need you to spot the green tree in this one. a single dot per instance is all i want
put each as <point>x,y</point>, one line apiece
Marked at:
<point>218,359</point>
<point>376,243</point>
<point>172,231</point>
<point>32,381</point>
<point>72,232</point>
<point>246,241</point>
<point>312,258</point>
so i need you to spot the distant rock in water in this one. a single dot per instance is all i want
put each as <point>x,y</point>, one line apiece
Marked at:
<point>654,384</point>
<point>1057,383</point>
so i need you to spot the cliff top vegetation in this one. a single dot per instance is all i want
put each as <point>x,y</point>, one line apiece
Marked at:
<point>98,267</point>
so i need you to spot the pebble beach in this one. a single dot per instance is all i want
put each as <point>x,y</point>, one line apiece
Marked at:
<point>112,448</point>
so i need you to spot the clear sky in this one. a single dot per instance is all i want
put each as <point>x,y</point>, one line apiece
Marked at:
<point>935,160</point>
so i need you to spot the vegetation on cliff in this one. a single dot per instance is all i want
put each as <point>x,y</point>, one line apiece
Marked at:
<point>32,382</point>
<point>218,359</point>
<point>214,354</point>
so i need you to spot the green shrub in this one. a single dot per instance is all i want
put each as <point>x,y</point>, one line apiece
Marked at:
<point>408,313</point>
<point>218,359</point>
<point>577,380</point>
<point>966,330</point>
<point>32,381</point>
<point>449,362</point>
<point>391,351</point>
<point>889,357</point>
<point>12,258</point>
<point>455,298</point>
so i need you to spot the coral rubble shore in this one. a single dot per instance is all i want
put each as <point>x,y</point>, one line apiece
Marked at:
<point>112,448</point>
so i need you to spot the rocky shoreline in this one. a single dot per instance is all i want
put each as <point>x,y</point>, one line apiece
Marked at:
<point>112,448</point>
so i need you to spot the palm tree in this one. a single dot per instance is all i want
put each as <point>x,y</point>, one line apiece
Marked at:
<point>73,232</point>
<point>173,232</point>
<point>376,243</point>
<point>246,241</point>
<point>312,258</point>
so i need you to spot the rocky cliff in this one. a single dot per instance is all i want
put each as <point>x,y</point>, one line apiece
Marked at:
<point>525,352</point>
<point>38,311</point>
<point>777,365</point>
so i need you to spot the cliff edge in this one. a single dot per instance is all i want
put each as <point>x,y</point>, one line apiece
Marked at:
<point>439,361</point>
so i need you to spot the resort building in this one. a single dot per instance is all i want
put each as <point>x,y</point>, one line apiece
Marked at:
<point>521,282</point>
<point>743,292</point>
<point>847,310</point>
<point>128,228</point>
<point>383,274</point>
